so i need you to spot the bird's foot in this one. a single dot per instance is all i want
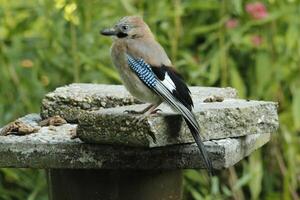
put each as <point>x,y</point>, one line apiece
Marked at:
<point>156,111</point>
<point>149,110</point>
<point>139,119</point>
<point>145,110</point>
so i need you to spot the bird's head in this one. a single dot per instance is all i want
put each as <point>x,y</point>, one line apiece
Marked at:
<point>130,27</point>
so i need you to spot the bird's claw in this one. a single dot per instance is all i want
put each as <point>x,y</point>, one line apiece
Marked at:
<point>156,111</point>
<point>139,119</point>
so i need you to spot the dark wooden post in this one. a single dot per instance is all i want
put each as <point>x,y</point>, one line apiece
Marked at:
<point>79,184</point>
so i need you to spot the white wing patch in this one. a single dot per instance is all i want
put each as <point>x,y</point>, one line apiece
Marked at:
<point>168,82</point>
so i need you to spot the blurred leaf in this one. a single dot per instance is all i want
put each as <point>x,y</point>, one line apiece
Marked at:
<point>204,29</point>
<point>109,72</point>
<point>291,37</point>
<point>263,68</point>
<point>255,167</point>
<point>296,107</point>
<point>192,175</point>
<point>196,195</point>
<point>205,5</point>
<point>242,181</point>
<point>215,186</point>
<point>236,6</point>
<point>214,73</point>
<point>127,4</point>
<point>236,80</point>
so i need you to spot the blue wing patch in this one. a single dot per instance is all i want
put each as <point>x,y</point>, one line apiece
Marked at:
<point>143,71</point>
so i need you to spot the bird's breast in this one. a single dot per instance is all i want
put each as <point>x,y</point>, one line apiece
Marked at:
<point>130,80</point>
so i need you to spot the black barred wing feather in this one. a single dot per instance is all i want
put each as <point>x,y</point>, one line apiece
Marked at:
<point>170,87</point>
<point>176,85</point>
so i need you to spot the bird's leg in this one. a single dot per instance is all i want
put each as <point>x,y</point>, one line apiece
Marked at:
<point>141,111</point>
<point>151,111</point>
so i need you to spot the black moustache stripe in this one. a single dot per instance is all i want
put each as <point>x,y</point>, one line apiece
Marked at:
<point>122,35</point>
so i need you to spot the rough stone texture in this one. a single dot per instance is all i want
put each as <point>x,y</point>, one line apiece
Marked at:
<point>72,100</point>
<point>230,118</point>
<point>51,147</point>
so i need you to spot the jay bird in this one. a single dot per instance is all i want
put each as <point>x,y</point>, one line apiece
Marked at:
<point>148,74</point>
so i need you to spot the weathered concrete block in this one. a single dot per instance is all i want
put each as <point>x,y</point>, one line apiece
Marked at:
<point>72,100</point>
<point>100,112</point>
<point>69,101</point>
<point>230,118</point>
<point>52,147</point>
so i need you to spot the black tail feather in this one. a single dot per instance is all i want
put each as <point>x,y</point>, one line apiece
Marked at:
<point>201,147</point>
<point>189,118</point>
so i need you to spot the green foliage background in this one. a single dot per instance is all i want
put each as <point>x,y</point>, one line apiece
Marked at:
<point>45,44</point>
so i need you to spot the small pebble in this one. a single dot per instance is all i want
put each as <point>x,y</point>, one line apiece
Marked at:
<point>213,98</point>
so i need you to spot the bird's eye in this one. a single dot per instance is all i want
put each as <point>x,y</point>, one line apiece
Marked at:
<point>125,27</point>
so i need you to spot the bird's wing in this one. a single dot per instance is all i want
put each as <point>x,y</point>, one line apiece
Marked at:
<point>173,81</point>
<point>169,86</point>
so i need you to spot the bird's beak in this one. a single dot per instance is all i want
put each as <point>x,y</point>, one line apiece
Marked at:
<point>108,31</point>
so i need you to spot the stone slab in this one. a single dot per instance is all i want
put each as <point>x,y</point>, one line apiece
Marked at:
<point>71,100</point>
<point>230,118</point>
<point>52,147</point>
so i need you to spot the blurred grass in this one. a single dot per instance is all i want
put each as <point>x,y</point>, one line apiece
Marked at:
<point>45,44</point>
